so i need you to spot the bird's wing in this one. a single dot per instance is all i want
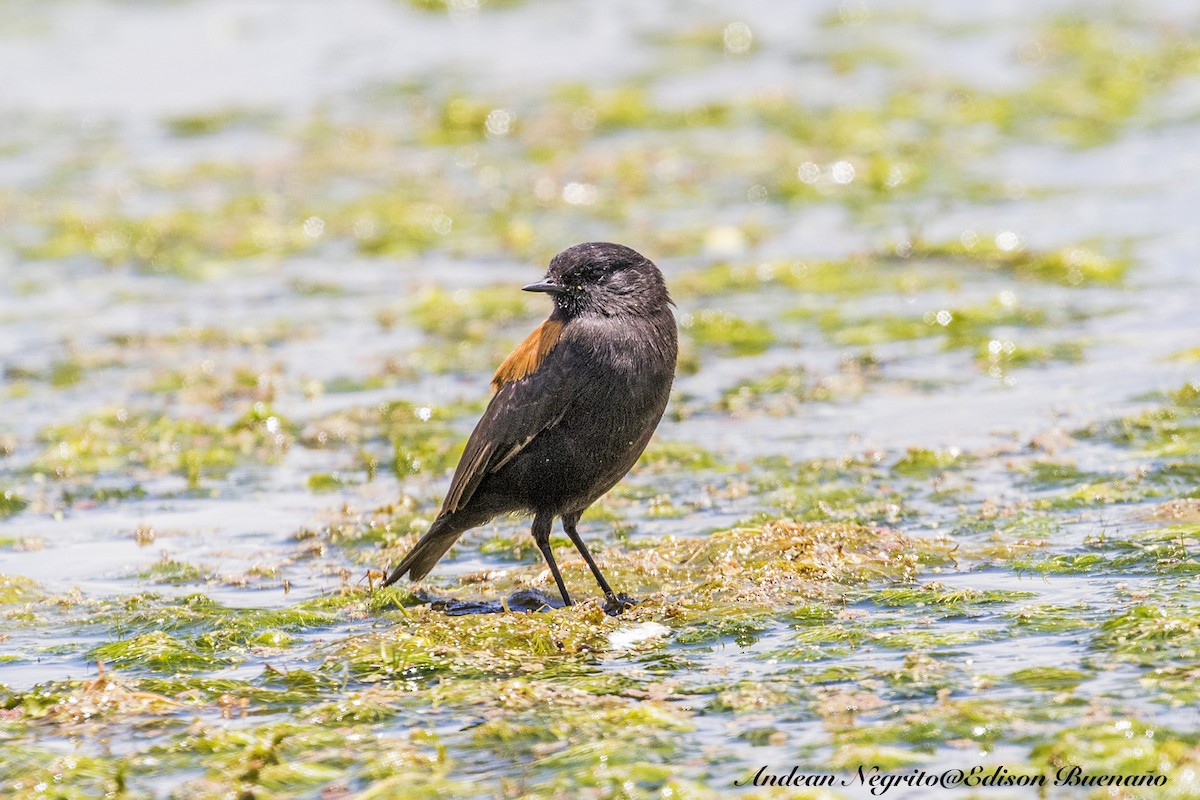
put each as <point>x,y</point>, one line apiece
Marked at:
<point>532,393</point>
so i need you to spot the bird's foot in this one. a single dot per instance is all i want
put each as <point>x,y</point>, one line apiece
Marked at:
<point>614,604</point>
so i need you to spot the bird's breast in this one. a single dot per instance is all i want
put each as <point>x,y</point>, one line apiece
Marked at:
<point>625,369</point>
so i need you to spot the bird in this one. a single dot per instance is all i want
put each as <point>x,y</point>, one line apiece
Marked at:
<point>573,408</point>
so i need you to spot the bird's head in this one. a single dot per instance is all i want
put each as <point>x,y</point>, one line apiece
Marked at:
<point>604,279</point>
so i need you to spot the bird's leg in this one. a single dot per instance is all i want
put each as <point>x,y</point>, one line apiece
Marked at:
<point>542,523</point>
<point>615,603</point>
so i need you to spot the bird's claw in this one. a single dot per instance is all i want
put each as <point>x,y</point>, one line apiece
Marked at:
<point>616,603</point>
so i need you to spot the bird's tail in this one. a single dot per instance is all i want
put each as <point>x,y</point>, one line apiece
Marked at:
<point>427,551</point>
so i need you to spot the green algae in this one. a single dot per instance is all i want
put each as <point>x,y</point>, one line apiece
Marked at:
<point>874,330</point>
<point>979,722</point>
<point>971,328</point>
<point>1168,431</point>
<point>444,5</point>
<point>779,562</point>
<point>1186,396</point>
<point>194,633</point>
<point>1043,618</point>
<point>354,529</point>
<point>468,316</point>
<point>323,482</point>
<point>1046,474</point>
<point>398,223</point>
<point>29,771</point>
<point>11,503</point>
<point>662,456</point>
<point>837,489</point>
<point>186,125</point>
<point>272,690</point>
<point>126,440</point>
<point>173,572</point>
<point>473,645</point>
<point>922,463</point>
<point>861,504</point>
<point>368,676</point>
<point>1070,266</point>
<point>158,650</point>
<point>185,242</point>
<point>1096,78</point>
<point>1149,635</point>
<point>783,392</point>
<point>1049,679</point>
<point>1061,564</point>
<point>628,106</point>
<point>1000,356</point>
<point>578,719</point>
<point>723,332</point>
<point>1187,355</point>
<point>268,334</point>
<point>1174,686</point>
<point>520,547</point>
<point>16,589</point>
<point>388,420</point>
<point>288,757</point>
<point>935,594</point>
<point>1116,746</point>
<point>853,276</point>
<point>105,697</point>
<point>60,374</point>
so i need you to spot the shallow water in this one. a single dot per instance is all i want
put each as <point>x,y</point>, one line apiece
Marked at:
<point>281,310</point>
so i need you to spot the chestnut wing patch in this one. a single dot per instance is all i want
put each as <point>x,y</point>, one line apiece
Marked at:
<point>528,355</point>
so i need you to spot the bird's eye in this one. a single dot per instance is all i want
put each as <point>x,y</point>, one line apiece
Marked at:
<point>579,287</point>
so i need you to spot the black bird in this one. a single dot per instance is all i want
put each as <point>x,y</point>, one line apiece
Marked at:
<point>573,407</point>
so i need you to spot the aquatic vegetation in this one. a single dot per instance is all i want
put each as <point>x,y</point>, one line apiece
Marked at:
<point>174,572</point>
<point>1046,474</point>
<point>720,330</point>
<point>157,650</point>
<point>1114,746</point>
<point>1049,679</point>
<point>270,334</point>
<point>469,316</point>
<point>205,124</point>
<point>1169,431</point>
<point>782,392</point>
<point>16,589</point>
<point>1148,633</point>
<point>662,456</point>
<point>397,223</point>
<point>325,482</point>
<point>11,503</point>
<point>937,595</point>
<point>1071,266</point>
<point>921,463</point>
<point>853,276</point>
<point>125,440</point>
<point>250,342</point>
<point>1095,78</point>
<point>184,242</point>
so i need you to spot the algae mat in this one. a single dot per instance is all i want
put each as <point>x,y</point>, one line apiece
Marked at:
<point>923,519</point>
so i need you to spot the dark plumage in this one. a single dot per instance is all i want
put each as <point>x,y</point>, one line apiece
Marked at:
<point>575,405</point>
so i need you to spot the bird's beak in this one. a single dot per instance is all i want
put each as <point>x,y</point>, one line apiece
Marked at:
<point>547,286</point>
